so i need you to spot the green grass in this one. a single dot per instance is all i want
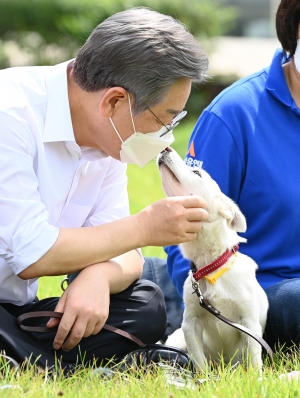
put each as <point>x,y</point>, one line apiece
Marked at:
<point>238,383</point>
<point>144,188</point>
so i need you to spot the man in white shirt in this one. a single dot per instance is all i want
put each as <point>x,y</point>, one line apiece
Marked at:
<point>63,189</point>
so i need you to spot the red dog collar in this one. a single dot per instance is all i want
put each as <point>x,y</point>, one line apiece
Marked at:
<point>207,269</point>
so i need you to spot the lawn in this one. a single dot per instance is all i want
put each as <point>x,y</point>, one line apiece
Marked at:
<point>219,383</point>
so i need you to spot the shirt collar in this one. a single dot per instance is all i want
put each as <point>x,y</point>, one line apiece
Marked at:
<point>276,83</point>
<point>92,153</point>
<point>58,123</point>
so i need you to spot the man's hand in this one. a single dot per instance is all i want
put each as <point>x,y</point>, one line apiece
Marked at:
<point>172,220</point>
<point>85,305</point>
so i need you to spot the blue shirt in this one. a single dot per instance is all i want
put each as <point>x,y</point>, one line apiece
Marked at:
<point>248,140</point>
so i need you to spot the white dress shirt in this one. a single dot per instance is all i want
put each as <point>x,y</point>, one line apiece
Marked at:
<point>46,180</point>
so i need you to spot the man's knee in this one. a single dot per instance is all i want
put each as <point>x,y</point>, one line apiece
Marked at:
<point>155,269</point>
<point>283,320</point>
<point>153,313</point>
<point>284,296</point>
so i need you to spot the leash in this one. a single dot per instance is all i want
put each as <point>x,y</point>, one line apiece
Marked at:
<point>211,309</point>
<point>143,356</point>
<point>54,314</point>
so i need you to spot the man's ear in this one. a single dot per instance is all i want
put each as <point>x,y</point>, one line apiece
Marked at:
<point>232,214</point>
<point>111,100</point>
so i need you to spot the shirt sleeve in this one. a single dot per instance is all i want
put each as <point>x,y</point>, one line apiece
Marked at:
<point>112,201</point>
<point>222,161</point>
<point>25,234</point>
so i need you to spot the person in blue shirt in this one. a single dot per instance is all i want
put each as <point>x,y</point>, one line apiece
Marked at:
<point>248,140</point>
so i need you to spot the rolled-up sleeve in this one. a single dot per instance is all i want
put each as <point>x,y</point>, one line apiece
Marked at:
<point>25,234</point>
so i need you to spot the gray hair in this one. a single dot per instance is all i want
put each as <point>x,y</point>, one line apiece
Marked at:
<point>144,52</point>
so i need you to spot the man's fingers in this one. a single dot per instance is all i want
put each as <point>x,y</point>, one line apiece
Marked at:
<point>99,325</point>
<point>65,325</point>
<point>67,338</point>
<point>80,330</point>
<point>60,306</point>
<point>196,214</point>
<point>193,227</point>
<point>53,322</point>
<point>75,336</point>
<point>190,236</point>
<point>192,201</point>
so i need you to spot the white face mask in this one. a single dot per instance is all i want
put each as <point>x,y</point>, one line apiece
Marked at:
<point>297,56</point>
<point>140,148</point>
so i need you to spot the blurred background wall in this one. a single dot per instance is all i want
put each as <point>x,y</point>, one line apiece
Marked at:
<point>238,35</point>
<point>255,17</point>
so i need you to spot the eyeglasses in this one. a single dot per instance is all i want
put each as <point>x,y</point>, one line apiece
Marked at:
<point>174,122</point>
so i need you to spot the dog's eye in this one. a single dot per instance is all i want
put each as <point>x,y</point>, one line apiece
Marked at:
<point>197,172</point>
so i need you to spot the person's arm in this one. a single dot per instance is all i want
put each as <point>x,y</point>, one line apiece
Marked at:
<point>25,233</point>
<point>168,221</point>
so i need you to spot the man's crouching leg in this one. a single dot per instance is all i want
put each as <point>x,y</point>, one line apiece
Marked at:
<point>139,310</point>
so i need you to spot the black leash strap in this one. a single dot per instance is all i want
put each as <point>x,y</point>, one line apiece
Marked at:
<point>208,307</point>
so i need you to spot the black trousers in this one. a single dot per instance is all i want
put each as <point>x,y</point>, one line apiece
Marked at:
<point>139,310</point>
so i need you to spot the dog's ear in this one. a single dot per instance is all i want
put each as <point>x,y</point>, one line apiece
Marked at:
<point>230,211</point>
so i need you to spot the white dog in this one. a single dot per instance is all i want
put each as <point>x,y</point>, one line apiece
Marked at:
<point>232,289</point>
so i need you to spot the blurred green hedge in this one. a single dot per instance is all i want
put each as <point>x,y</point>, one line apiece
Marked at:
<point>40,32</point>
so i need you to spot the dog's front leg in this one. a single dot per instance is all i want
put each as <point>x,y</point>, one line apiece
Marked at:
<point>194,340</point>
<point>253,348</point>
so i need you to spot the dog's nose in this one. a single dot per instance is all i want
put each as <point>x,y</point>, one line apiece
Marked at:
<point>168,149</point>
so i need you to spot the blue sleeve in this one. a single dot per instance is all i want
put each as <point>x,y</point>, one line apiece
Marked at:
<point>178,267</point>
<point>212,145</point>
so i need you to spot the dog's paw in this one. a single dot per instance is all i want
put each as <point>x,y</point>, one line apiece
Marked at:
<point>295,375</point>
<point>177,340</point>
